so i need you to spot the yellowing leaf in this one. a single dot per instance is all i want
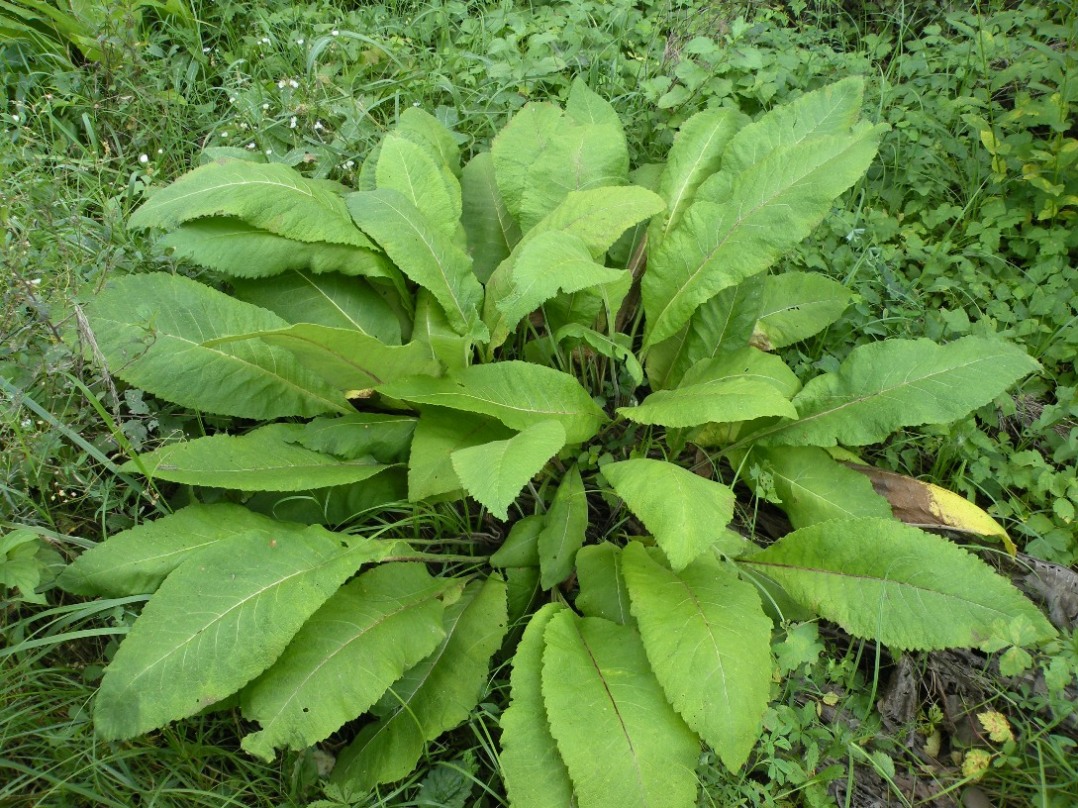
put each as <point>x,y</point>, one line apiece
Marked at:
<point>928,506</point>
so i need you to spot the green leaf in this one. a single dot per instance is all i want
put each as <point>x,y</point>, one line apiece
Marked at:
<point>249,594</point>
<point>432,328</point>
<point>602,584</point>
<point>521,546</point>
<point>599,217</point>
<point>713,669</point>
<point>519,394</point>
<point>585,106</point>
<point>518,146</point>
<point>721,400</point>
<point>265,459</point>
<point>410,169</point>
<point>384,437</point>
<point>884,386</point>
<point>136,560</point>
<point>551,262</point>
<point>345,657</point>
<point>621,741</point>
<point>564,528</point>
<point>495,473</point>
<point>345,358</point>
<point>797,305</point>
<point>158,348</point>
<point>240,250</point>
<point>770,207</point>
<point>617,347</point>
<point>332,300</point>
<point>438,435</point>
<point>812,487</point>
<point>20,566</point>
<point>684,511</point>
<point>419,126</point>
<point>721,325</point>
<point>882,579</point>
<point>532,770</point>
<point>423,253</point>
<point>268,196</point>
<point>745,363</point>
<point>434,696</point>
<point>695,155</point>
<point>830,110</point>
<point>492,232</point>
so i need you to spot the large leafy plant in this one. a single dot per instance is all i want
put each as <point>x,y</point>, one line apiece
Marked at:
<point>572,356</point>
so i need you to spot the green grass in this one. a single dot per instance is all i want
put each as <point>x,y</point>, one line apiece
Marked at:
<point>942,239</point>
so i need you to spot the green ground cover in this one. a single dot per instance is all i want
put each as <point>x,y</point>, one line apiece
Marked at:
<point>964,225</point>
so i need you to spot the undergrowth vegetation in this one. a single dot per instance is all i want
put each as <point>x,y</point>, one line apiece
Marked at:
<point>512,541</point>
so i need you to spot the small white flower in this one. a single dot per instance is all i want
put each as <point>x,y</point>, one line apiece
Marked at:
<point>15,117</point>
<point>292,123</point>
<point>144,158</point>
<point>26,423</point>
<point>269,151</point>
<point>265,106</point>
<point>160,151</point>
<point>348,164</point>
<point>281,84</point>
<point>318,125</point>
<point>232,99</point>
<point>299,41</point>
<point>224,134</point>
<point>206,50</point>
<point>35,282</point>
<point>293,84</point>
<point>335,32</point>
<point>251,146</point>
<point>243,126</point>
<point>265,40</point>
<point>415,103</point>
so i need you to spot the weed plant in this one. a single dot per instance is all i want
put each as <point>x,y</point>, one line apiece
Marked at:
<point>966,226</point>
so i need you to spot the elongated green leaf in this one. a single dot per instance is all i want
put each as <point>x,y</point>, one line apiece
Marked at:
<point>136,560</point>
<point>521,546</point>
<point>617,346</point>
<point>710,667</point>
<point>220,619</point>
<point>830,110</point>
<point>882,579</point>
<point>723,400</point>
<point>419,126</point>
<point>495,473</point>
<point>771,206</point>
<point>745,363</point>
<point>423,253</point>
<point>438,435</point>
<point>621,741</point>
<point>721,325</point>
<point>532,769</point>
<point>269,196</point>
<point>884,386</point>
<point>695,155</point>
<point>518,146</point>
<point>602,585</point>
<point>345,657</point>
<point>492,231</point>
<point>797,305</point>
<point>564,528</point>
<point>585,106</point>
<point>410,169</point>
<point>240,250</point>
<point>386,438</point>
<point>331,300</point>
<point>345,358</point>
<point>551,262</point>
<point>434,696</point>
<point>265,459</point>
<point>519,394</point>
<point>685,512</point>
<point>599,217</point>
<point>432,328</point>
<point>158,348</point>
<point>812,487</point>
